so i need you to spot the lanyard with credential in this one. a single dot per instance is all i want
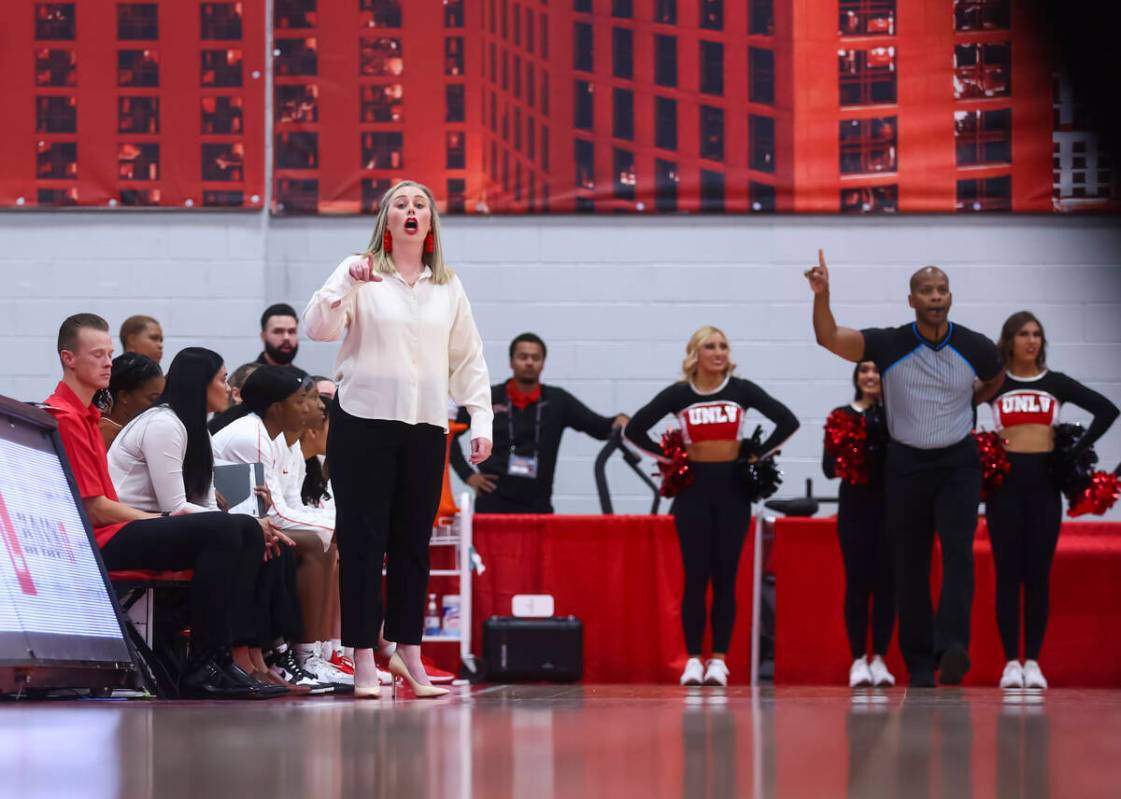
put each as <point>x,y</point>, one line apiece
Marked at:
<point>523,465</point>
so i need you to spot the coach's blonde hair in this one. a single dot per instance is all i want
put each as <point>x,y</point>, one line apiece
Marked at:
<point>692,352</point>
<point>383,261</point>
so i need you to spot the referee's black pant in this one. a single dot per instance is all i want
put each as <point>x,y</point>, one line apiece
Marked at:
<point>930,491</point>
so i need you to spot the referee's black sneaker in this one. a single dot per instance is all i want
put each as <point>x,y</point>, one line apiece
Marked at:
<point>953,666</point>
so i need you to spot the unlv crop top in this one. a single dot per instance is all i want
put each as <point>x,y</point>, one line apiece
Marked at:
<point>1038,400</point>
<point>716,416</point>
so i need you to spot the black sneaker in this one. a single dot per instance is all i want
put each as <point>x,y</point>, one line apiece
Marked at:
<point>208,679</point>
<point>283,663</point>
<point>953,666</point>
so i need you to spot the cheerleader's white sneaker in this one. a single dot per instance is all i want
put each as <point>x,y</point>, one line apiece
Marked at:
<point>1013,676</point>
<point>1033,675</point>
<point>716,673</point>
<point>880,675</point>
<point>694,673</point>
<point>859,674</point>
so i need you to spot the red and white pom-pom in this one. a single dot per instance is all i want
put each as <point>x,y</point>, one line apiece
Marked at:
<point>1098,497</point>
<point>994,461</point>
<point>675,470</point>
<point>845,439</point>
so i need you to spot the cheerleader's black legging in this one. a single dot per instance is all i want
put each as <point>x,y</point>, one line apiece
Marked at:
<point>869,568</point>
<point>712,517</point>
<point>1024,515</point>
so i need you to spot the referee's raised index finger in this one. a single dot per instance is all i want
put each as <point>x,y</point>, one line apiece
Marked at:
<point>821,258</point>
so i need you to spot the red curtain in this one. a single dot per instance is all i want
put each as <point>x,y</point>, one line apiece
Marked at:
<point>1082,647</point>
<point>620,575</point>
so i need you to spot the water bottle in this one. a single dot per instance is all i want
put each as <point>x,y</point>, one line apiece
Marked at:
<point>432,617</point>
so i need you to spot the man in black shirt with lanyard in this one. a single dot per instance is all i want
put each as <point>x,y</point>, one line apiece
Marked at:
<point>529,420</point>
<point>933,372</point>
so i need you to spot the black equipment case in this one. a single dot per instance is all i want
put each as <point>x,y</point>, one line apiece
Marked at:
<point>533,649</point>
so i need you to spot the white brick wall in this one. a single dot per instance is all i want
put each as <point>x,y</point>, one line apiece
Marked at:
<point>615,298</point>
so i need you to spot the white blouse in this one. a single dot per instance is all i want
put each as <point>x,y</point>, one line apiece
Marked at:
<point>405,350</point>
<point>146,464</point>
<point>246,440</point>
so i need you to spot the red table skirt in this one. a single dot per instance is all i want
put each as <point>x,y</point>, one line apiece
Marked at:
<point>620,575</point>
<point>1083,642</point>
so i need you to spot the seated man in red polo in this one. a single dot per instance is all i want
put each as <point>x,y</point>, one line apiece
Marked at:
<point>223,550</point>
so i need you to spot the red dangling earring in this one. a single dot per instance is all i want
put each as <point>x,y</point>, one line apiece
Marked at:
<point>429,243</point>
<point>386,242</point>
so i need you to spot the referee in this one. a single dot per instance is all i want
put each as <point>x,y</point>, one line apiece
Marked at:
<point>933,374</point>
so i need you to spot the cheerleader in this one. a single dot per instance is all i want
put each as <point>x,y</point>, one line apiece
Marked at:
<point>1024,512</point>
<point>713,513</point>
<point>865,548</point>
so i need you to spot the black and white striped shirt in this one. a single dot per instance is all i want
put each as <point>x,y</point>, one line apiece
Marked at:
<point>928,385</point>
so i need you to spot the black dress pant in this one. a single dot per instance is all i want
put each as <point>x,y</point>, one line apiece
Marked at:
<point>276,601</point>
<point>713,516</point>
<point>387,477</point>
<point>929,491</point>
<point>224,550</point>
<point>869,568</point>
<point>1024,517</point>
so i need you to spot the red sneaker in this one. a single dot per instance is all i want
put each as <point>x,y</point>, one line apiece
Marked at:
<point>436,675</point>
<point>342,663</point>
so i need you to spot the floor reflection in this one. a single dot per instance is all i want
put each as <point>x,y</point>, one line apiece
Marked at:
<point>552,743</point>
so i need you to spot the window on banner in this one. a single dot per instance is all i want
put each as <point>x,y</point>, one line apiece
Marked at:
<point>382,150</point>
<point>455,103</point>
<point>456,149</point>
<point>138,21</point>
<point>982,70</point>
<point>868,146</point>
<point>295,104</point>
<point>373,189</point>
<point>57,197</point>
<point>982,15</point>
<point>712,14</point>
<point>761,197</point>
<point>625,179</point>
<point>985,194</point>
<point>665,61</point>
<point>983,137</point>
<point>666,178</point>
<point>453,56</point>
<point>219,198</point>
<point>870,200</point>
<point>380,58</point>
<point>623,9</point>
<point>761,17</point>
<point>379,13</point>
<point>866,17</point>
<point>712,191</point>
<point>582,47</point>
<point>457,196</point>
<point>297,195</point>
<point>55,21</point>
<point>222,68</point>
<point>712,133</point>
<point>295,14</point>
<point>296,57</point>
<point>761,143</point>
<point>584,153</point>
<point>136,161</point>
<point>583,107</point>
<point>381,102</point>
<point>867,77</point>
<point>56,68</point>
<point>665,12</point>
<point>138,69</point>
<point>712,68</point>
<point>761,75</point>
<point>622,53</point>
<point>623,122</point>
<point>141,114</point>
<point>56,160</point>
<point>665,123</point>
<point>453,13</point>
<point>56,114</point>
<point>297,150</point>
<point>220,21</point>
<point>223,162</point>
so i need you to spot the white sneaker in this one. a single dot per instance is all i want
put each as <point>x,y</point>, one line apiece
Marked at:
<point>1013,676</point>
<point>1033,675</point>
<point>880,675</point>
<point>325,672</point>
<point>694,673</point>
<point>859,675</point>
<point>716,673</point>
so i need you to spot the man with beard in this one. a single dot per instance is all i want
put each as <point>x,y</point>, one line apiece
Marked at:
<point>529,420</point>
<point>933,372</point>
<point>280,335</point>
